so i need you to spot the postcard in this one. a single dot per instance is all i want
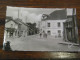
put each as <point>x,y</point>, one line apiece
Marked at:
<point>40,29</point>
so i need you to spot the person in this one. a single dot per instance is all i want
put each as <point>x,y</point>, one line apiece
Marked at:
<point>7,46</point>
<point>45,35</point>
<point>11,34</point>
<point>40,35</point>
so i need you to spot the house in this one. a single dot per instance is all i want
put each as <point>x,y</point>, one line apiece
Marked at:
<point>11,26</point>
<point>23,28</point>
<point>52,24</point>
<point>15,27</point>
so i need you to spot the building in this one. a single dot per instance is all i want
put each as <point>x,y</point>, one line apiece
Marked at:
<point>70,29</point>
<point>15,27</point>
<point>23,28</point>
<point>52,24</point>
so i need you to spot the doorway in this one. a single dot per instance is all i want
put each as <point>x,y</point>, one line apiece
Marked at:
<point>49,32</point>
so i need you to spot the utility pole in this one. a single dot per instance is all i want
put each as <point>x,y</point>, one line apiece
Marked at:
<point>19,25</point>
<point>74,25</point>
<point>18,13</point>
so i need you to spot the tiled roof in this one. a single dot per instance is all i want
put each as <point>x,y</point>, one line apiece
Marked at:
<point>57,15</point>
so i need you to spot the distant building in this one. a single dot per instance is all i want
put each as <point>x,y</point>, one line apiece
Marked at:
<point>52,24</point>
<point>15,27</point>
<point>23,28</point>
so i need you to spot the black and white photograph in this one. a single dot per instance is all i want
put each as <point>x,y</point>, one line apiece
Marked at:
<point>41,29</point>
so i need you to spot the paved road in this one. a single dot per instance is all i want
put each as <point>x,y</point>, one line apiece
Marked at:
<point>35,43</point>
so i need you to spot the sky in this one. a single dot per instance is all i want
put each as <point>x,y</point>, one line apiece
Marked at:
<point>31,14</point>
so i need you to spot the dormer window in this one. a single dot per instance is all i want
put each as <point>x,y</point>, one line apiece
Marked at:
<point>44,16</point>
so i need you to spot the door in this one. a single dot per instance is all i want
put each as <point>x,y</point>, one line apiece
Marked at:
<point>69,34</point>
<point>59,33</point>
<point>49,32</point>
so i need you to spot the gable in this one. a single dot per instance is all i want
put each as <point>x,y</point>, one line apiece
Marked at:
<point>8,24</point>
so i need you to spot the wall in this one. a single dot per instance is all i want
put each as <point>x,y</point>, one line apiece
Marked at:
<point>53,26</point>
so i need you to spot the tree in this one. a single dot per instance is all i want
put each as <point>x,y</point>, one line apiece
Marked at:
<point>32,28</point>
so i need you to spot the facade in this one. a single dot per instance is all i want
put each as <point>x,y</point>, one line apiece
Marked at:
<point>52,24</point>
<point>53,27</point>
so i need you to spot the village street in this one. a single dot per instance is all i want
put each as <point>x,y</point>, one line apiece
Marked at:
<point>35,43</point>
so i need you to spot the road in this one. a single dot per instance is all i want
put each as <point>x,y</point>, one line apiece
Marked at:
<point>35,43</point>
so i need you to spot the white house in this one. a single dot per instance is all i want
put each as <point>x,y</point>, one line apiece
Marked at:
<point>16,27</point>
<point>52,24</point>
<point>10,26</point>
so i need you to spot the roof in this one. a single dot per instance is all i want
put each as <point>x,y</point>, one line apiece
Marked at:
<point>20,21</point>
<point>17,21</point>
<point>57,15</point>
<point>8,17</point>
<point>11,19</point>
<point>70,17</point>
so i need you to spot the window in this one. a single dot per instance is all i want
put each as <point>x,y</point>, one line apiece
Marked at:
<point>48,24</point>
<point>59,31</point>
<point>11,25</point>
<point>59,24</point>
